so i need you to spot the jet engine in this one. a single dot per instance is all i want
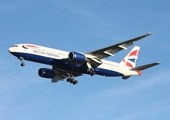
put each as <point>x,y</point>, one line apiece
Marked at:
<point>77,57</point>
<point>46,73</point>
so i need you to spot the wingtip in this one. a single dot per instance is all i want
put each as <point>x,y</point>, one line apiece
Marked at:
<point>149,33</point>
<point>157,63</point>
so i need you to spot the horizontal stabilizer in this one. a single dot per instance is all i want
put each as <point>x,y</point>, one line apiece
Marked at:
<point>126,77</point>
<point>145,66</point>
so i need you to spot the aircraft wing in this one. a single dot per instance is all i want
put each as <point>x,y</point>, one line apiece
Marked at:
<point>62,74</point>
<point>111,50</point>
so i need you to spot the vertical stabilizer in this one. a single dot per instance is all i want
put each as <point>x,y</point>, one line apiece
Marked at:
<point>131,58</point>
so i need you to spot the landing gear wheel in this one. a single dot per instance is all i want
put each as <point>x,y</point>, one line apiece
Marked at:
<point>68,79</point>
<point>22,61</point>
<point>22,64</point>
<point>91,72</point>
<point>75,82</point>
<point>71,80</point>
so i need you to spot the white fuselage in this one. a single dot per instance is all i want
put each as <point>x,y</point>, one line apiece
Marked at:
<point>59,58</point>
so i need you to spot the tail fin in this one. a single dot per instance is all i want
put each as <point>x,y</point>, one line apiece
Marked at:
<point>131,58</point>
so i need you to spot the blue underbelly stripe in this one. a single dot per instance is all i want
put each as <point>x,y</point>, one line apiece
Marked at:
<point>63,65</point>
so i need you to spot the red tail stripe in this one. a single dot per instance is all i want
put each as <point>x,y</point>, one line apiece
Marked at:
<point>134,53</point>
<point>129,65</point>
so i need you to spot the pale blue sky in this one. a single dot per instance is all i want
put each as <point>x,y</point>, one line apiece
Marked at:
<point>85,25</point>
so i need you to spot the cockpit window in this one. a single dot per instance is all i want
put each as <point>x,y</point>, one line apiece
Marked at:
<point>15,46</point>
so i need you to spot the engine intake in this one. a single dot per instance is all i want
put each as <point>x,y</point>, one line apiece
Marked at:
<point>77,57</point>
<point>46,73</point>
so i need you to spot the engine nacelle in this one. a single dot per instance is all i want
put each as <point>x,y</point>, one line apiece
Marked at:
<point>46,73</point>
<point>77,57</point>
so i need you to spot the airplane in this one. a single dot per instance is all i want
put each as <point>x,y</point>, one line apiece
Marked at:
<point>68,65</point>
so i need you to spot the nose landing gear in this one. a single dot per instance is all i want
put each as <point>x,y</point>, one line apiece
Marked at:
<point>22,61</point>
<point>22,64</point>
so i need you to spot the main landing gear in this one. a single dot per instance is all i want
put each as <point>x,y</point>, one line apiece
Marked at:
<point>90,70</point>
<point>22,61</point>
<point>72,80</point>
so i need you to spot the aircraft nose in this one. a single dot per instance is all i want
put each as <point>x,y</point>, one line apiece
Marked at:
<point>10,49</point>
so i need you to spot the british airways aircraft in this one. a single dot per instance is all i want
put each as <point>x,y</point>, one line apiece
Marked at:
<point>67,65</point>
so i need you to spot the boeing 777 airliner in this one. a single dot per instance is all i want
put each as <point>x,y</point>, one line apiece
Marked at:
<point>67,65</point>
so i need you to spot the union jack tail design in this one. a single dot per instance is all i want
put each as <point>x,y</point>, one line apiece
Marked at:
<point>131,58</point>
